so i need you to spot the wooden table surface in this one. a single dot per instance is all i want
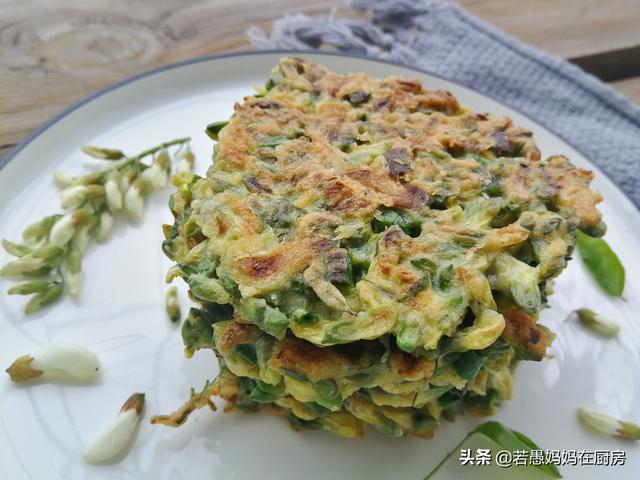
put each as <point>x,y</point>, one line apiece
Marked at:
<point>54,52</point>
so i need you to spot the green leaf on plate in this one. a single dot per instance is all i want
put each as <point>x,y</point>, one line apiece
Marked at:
<point>505,437</point>
<point>213,129</point>
<point>602,263</point>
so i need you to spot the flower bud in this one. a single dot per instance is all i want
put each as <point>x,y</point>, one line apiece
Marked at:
<point>92,178</point>
<point>113,192</point>
<point>73,197</point>
<point>64,228</point>
<point>105,226</point>
<point>49,253</point>
<point>95,192</point>
<point>134,198</point>
<point>185,164</point>
<point>44,298</point>
<point>156,176</point>
<point>73,273</point>
<point>21,266</point>
<point>598,323</point>
<point>56,361</point>
<point>608,425</point>
<point>118,435</point>
<point>127,178</point>
<point>41,229</point>
<point>28,287</point>
<point>82,237</point>
<point>102,153</point>
<point>62,231</point>
<point>16,249</point>
<point>62,180</point>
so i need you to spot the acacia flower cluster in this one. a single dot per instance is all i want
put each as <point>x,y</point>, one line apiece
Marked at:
<point>48,262</point>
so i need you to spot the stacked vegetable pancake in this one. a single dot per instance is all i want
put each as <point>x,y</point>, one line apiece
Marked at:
<point>368,252</point>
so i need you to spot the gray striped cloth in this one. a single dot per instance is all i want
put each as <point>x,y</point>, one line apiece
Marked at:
<point>444,39</point>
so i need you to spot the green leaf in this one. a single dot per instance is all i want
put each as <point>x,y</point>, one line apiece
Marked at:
<point>387,217</point>
<point>197,330</point>
<point>306,318</point>
<point>424,263</point>
<point>213,129</point>
<point>270,319</point>
<point>513,440</point>
<point>266,393</point>
<point>602,263</point>
<point>328,393</point>
<point>293,374</point>
<point>505,437</point>
<point>248,352</point>
<point>469,364</point>
<point>477,157</point>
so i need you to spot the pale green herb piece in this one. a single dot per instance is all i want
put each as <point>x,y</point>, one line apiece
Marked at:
<point>602,263</point>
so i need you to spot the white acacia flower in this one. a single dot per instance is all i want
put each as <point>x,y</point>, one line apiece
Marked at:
<point>117,435</point>
<point>185,164</point>
<point>63,180</point>
<point>56,361</point>
<point>73,280</point>
<point>598,323</point>
<point>62,231</point>
<point>104,227</point>
<point>134,199</point>
<point>73,197</point>
<point>21,266</point>
<point>608,425</point>
<point>156,175</point>
<point>81,239</point>
<point>36,231</point>
<point>73,272</point>
<point>126,179</point>
<point>113,192</point>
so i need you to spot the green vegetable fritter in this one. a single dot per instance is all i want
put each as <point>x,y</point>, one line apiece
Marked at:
<point>368,252</point>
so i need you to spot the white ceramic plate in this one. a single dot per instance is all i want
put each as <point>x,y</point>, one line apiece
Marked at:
<point>120,316</point>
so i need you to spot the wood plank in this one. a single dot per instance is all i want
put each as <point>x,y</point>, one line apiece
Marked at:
<point>629,88</point>
<point>612,65</point>
<point>71,49</point>
<point>566,28</point>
